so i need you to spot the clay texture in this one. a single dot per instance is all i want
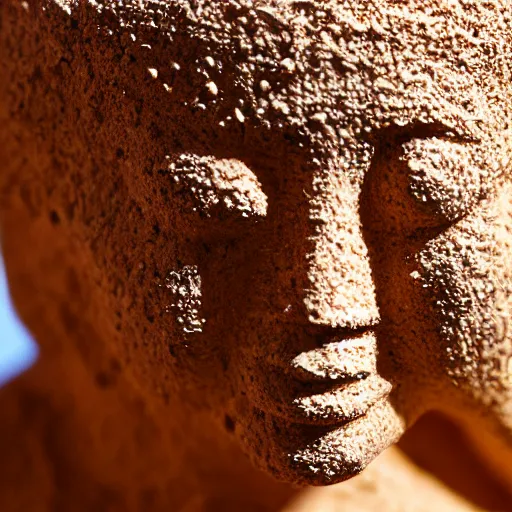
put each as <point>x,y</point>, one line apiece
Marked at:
<point>280,225</point>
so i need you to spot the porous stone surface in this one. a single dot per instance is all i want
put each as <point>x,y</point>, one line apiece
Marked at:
<point>281,227</point>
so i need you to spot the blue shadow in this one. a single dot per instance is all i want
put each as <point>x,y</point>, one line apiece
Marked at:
<point>18,351</point>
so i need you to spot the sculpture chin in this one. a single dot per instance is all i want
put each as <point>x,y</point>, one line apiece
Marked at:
<point>319,455</point>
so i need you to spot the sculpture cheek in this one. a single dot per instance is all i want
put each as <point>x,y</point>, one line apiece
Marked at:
<point>466,276</point>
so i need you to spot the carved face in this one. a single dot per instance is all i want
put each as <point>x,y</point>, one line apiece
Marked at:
<point>341,256</point>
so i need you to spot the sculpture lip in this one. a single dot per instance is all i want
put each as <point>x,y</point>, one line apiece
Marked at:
<point>330,384</point>
<point>338,359</point>
<point>340,403</point>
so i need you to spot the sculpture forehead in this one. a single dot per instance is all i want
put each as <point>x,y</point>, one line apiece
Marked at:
<point>338,70</point>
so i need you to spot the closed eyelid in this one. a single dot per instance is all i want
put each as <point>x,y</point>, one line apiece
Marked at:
<point>225,182</point>
<point>450,176</point>
<point>438,156</point>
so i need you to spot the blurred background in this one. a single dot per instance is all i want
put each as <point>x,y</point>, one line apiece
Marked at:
<point>18,351</point>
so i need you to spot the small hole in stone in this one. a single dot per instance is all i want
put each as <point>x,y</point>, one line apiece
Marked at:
<point>104,380</point>
<point>229,423</point>
<point>54,218</point>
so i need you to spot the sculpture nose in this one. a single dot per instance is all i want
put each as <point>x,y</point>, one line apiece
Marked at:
<point>341,291</point>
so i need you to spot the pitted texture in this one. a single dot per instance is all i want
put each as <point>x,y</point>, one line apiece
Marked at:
<point>297,216</point>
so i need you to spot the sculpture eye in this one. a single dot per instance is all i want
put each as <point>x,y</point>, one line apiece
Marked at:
<point>210,183</point>
<point>445,178</point>
<point>430,182</point>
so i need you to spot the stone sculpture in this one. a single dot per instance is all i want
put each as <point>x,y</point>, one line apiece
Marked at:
<point>282,222</point>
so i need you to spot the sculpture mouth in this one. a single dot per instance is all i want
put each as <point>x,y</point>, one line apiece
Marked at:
<point>332,384</point>
<point>336,405</point>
